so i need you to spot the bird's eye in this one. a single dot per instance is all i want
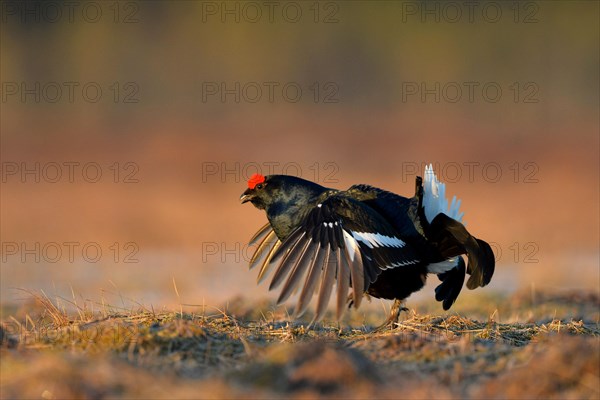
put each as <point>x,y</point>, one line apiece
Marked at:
<point>259,186</point>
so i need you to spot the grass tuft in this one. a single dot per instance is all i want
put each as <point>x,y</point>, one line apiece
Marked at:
<point>254,350</point>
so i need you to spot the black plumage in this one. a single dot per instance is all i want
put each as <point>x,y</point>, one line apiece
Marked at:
<point>362,240</point>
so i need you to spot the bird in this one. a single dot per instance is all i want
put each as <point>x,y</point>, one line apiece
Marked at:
<point>363,241</point>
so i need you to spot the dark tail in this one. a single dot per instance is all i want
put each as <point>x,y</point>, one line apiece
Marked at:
<point>452,283</point>
<point>452,239</point>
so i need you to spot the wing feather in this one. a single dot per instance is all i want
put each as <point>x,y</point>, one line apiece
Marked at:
<point>312,279</point>
<point>298,269</point>
<point>289,259</point>
<point>267,264</point>
<point>262,232</point>
<point>343,283</point>
<point>287,244</point>
<point>342,241</point>
<point>354,259</point>
<point>327,282</point>
<point>266,244</point>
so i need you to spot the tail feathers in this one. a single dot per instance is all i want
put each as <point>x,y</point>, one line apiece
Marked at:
<point>452,283</point>
<point>453,239</point>
<point>444,227</point>
<point>481,265</point>
<point>434,198</point>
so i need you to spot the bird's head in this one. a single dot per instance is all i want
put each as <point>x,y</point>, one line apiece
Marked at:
<point>259,192</point>
<point>265,191</point>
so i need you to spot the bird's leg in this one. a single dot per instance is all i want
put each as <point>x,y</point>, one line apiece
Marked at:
<point>392,319</point>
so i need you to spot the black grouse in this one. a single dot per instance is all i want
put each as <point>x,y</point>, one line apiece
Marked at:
<point>364,238</point>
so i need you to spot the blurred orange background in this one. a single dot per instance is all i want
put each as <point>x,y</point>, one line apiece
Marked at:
<point>195,98</point>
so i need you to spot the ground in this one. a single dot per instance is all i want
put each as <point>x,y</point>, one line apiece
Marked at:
<point>548,346</point>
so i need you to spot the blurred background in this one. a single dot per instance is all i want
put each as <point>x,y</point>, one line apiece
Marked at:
<point>129,130</point>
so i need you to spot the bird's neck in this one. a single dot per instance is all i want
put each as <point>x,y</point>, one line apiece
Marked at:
<point>287,214</point>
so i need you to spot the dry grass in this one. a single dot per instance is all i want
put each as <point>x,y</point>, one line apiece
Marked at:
<point>142,353</point>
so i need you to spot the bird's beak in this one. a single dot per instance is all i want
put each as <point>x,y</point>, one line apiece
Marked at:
<point>246,196</point>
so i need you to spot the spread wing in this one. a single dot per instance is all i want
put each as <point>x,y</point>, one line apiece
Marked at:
<point>342,242</point>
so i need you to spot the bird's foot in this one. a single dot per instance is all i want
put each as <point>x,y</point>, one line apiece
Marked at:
<point>393,318</point>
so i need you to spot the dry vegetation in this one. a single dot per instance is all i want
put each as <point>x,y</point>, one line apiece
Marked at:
<point>245,351</point>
